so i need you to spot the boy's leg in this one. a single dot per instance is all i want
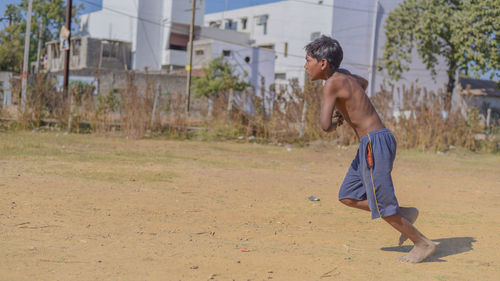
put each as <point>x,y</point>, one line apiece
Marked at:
<point>403,222</point>
<point>410,214</point>
<point>359,204</point>
<point>423,246</point>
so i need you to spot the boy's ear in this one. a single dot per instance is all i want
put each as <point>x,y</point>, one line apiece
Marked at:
<point>324,64</point>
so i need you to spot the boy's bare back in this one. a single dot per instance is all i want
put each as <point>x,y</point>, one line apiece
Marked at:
<point>346,93</point>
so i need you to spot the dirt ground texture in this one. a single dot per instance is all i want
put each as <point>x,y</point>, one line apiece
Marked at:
<point>84,207</point>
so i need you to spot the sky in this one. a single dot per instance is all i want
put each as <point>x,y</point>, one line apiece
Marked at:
<point>211,6</point>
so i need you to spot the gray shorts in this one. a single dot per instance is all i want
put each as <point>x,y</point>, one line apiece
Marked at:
<point>369,177</point>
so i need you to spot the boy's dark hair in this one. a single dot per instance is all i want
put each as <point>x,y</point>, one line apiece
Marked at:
<point>326,48</point>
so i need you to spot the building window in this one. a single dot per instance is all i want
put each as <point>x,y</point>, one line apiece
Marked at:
<point>214,24</point>
<point>244,23</point>
<point>226,53</point>
<point>247,59</point>
<point>76,47</point>
<point>56,51</point>
<point>270,46</point>
<point>280,76</point>
<point>262,20</point>
<point>286,49</point>
<point>199,52</point>
<point>178,42</point>
<point>315,35</point>
<point>231,25</point>
<point>110,49</point>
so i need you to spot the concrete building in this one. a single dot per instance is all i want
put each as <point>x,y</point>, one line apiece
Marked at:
<point>482,94</point>
<point>158,34</point>
<point>157,30</point>
<point>287,26</point>
<point>359,27</point>
<point>251,63</point>
<point>90,53</point>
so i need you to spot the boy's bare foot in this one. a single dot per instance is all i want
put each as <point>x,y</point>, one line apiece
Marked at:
<point>419,252</point>
<point>410,214</point>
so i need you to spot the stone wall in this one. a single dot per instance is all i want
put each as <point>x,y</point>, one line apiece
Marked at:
<point>171,85</point>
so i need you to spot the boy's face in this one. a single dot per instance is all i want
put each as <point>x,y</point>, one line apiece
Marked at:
<point>315,68</point>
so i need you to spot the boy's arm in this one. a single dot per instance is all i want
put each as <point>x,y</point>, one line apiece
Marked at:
<point>362,81</point>
<point>329,99</point>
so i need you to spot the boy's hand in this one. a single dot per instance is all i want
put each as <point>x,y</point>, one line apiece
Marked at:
<point>337,119</point>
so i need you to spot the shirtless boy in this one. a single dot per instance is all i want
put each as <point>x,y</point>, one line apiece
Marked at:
<point>368,183</point>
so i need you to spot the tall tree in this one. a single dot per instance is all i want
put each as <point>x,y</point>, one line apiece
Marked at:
<point>466,33</point>
<point>12,37</point>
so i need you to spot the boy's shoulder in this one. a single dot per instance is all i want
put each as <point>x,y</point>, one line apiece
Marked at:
<point>337,81</point>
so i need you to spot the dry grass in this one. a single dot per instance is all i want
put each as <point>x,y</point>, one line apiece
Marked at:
<point>424,123</point>
<point>287,115</point>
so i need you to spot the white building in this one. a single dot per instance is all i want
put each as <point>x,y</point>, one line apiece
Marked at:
<point>287,26</point>
<point>158,30</point>
<point>159,33</point>
<point>359,27</point>
<point>251,63</point>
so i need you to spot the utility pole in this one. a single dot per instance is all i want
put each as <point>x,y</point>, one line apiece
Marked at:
<point>190,57</point>
<point>26,58</point>
<point>66,53</point>
<point>66,63</point>
<point>372,70</point>
<point>39,51</point>
<point>222,20</point>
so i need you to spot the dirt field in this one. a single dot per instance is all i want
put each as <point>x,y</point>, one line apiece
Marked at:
<point>80,207</point>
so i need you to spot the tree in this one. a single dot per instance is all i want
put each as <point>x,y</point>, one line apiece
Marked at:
<point>465,32</point>
<point>218,77</point>
<point>12,37</point>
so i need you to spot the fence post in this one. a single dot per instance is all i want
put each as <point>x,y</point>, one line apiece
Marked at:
<point>210,106</point>
<point>155,105</point>
<point>303,121</point>
<point>230,106</point>
<point>70,117</point>
<point>488,119</point>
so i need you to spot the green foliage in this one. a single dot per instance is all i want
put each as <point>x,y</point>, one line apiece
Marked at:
<point>478,36</point>
<point>12,37</point>
<point>80,87</point>
<point>108,103</point>
<point>218,77</point>
<point>465,32</point>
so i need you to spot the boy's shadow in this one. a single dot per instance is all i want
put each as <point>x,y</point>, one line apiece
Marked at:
<point>444,247</point>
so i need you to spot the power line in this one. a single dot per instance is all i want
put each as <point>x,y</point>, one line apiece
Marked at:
<point>122,13</point>
<point>336,6</point>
